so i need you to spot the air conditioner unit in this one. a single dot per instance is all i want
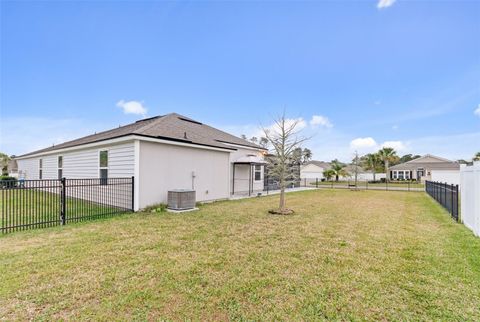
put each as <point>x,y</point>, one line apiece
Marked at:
<point>181,199</point>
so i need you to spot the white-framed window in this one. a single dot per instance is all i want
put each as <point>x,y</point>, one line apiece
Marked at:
<point>395,174</point>
<point>60,166</point>
<point>407,175</point>
<point>103,166</point>
<point>401,175</point>
<point>258,172</point>
<point>40,169</point>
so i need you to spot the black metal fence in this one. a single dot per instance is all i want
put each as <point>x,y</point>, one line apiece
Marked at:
<point>446,195</point>
<point>401,185</point>
<point>27,204</point>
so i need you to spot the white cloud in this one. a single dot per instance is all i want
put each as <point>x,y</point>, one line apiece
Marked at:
<point>319,120</point>
<point>132,107</point>
<point>368,144</point>
<point>395,127</point>
<point>477,111</point>
<point>385,3</point>
<point>363,143</point>
<point>398,146</point>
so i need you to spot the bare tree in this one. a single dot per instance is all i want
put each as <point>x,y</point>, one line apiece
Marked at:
<point>284,139</point>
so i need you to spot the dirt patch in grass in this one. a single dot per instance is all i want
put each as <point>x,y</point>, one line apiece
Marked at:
<point>371,255</point>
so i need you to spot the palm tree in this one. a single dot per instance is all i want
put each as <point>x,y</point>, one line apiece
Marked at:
<point>306,155</point>
<point>338,169</point>
<point>372,162</point>
<point>4,159</point>
<point>387,155</point>
<point>476,157</point>
<point>328,174</point>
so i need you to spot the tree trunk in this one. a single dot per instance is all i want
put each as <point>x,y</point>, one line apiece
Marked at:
<point>282,200</point>
<point>336,177</point>
<point>373,175</point>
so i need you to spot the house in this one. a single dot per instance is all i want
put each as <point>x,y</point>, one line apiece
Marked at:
<point>313,169</point>
<point>162,153</point>
<point>12,168</point>
<point>362,174</point>
<point>427,167</point>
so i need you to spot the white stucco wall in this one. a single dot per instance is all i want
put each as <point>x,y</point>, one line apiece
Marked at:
<point>242,172</point>
<point>164,167</point>
<point>448,176</point>
<point>81,163</point>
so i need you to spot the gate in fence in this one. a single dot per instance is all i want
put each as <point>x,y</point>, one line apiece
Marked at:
<point>446,195</point>
<point>27,204</point>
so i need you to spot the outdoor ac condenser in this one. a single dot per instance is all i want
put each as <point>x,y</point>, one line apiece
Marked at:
<point>181,199</point>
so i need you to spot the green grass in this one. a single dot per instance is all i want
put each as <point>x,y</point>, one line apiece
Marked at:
<point>363,184</point>
<point>344,255</point>
<point>42,209</point>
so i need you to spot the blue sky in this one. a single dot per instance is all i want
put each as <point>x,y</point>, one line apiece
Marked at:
<point>401,73</point>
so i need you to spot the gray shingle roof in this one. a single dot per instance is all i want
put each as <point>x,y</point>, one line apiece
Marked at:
<point>169,127</point>
<point>435,163</point>
<point>321,164</point>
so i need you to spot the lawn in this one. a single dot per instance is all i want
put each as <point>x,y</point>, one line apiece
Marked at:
<point>348,255</point>
<point>363,184</point>
<point>26,208</point>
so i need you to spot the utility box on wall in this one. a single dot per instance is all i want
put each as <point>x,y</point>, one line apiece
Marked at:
<point>181,199</point>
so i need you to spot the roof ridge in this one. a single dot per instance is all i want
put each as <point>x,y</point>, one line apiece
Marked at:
<point>149,125</point>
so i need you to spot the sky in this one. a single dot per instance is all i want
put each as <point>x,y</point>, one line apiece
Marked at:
<point>358,75</point>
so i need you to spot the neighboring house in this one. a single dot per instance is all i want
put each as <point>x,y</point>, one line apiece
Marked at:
<point>162,153</point>
<point>424,168</point>
<point>313,169</point>
<point>12,168</point>
<point>362,174</point>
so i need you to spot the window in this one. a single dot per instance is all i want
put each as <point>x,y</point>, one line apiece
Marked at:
<point>258,172</point>
<point>103,159</point>
<point>60,167</point>
<point>407,175</point>
<point>103,164</point>
<point>400,175</point>
<point>395,174</point>
<point>40,169</point>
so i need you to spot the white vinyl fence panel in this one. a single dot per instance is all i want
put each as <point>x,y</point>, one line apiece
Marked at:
<point>448,176</point>
<point>470,196</point>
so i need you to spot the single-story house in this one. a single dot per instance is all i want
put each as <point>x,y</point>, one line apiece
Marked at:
<point>362,174</point>
<point>421,169</point>
<point>162,153</point>
<point>12,168</point>
<point>313,169</point>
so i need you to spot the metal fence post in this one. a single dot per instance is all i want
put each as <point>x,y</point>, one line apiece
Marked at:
<point>133,193</point>
<point>63,203</point>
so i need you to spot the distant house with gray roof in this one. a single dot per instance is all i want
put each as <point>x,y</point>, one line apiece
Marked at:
<point>424,168</point>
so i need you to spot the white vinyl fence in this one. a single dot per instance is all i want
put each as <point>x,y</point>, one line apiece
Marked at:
<point>470,196</point>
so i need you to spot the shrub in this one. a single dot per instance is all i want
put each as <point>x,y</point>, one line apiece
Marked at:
<point>8,182</point>
<point>161,207</point>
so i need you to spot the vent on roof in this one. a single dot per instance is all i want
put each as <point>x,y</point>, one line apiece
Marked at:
<point>189,120</point>
<point>150,118</point>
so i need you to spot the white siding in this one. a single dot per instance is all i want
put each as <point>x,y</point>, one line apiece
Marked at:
<point>311,171</point>
<point>81,164</point>
<point>28,168</point>
<point>470,196</point>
